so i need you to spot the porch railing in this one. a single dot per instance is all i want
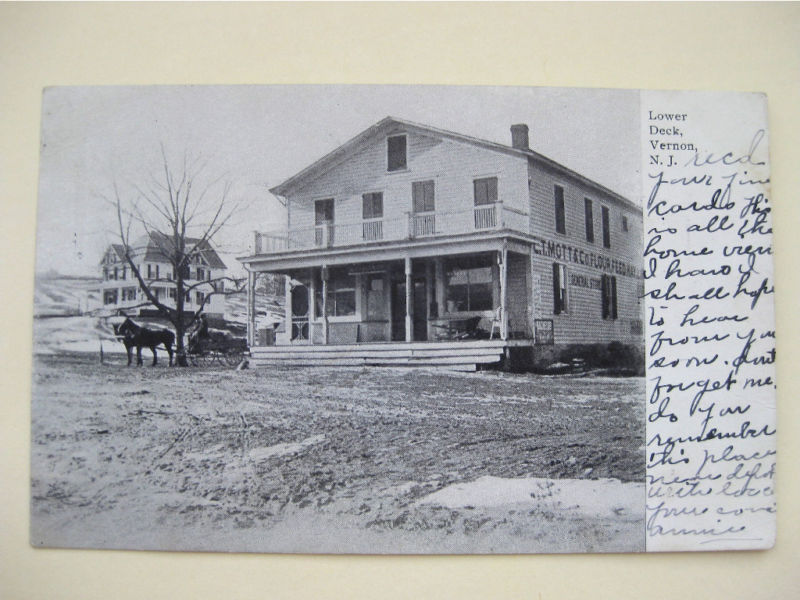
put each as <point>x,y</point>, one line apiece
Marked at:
<point>410,226</point>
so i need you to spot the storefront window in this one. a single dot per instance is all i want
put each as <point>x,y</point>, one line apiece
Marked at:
<point>469,285</point>
<point>341,295</point>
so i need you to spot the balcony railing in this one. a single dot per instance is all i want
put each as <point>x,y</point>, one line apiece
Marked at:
<point>410,226</point>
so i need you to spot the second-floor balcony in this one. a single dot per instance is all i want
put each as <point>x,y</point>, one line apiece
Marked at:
<point>410,226</point>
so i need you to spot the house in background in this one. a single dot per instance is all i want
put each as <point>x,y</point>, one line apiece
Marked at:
<point>417,246</point>
<point>119,289</point>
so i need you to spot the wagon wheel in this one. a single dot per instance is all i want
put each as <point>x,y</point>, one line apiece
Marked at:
<point>203,360</point>
<point>233,358</point>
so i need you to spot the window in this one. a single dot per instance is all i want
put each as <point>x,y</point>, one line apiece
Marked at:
<point>201,274</point>
<point>606,229</point>
<point>323,212</point>
<point>485,191</point>
<point>423,195</point>
<point>559,289</point>
<point>624,223</point>
<point>187,298</point>
<point>124,272</point>
<point>561,222</point>
<point>469,284</point>
<point>609,290</point>
<point>172,293</point>
<point>372,205</point>
<point>105,274</point>
<point>396,153</point>
<point>128,293</point>
<point>587,210</point>
<point>341,294</point>
<point>372,212</point>
<point>323,220</point>
<point>110,297</point>
<point>200,297</point>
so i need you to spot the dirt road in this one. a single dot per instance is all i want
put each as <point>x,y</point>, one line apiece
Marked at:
<point>327,460</point>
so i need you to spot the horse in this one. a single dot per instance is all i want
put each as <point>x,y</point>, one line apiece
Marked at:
<point>138,336</point>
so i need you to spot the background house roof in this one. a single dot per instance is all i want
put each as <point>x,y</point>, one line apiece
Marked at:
<point>155,242</point>
<point>387,124</point>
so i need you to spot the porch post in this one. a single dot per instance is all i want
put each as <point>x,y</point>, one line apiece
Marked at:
<point>409,327</point>
<point>439,287</point>
<point>250,318</point>
<point>430,290</point>
<point>531,295</point>
<point>310,289</point>
<point>504,292</point>
<point>287,309</point>
<point>324,277</point>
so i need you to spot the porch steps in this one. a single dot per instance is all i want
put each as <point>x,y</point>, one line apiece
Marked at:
<point>460,356</point>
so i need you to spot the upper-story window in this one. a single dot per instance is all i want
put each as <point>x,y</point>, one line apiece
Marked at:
<point>397,155</point>
<point>561,221</point>
<point>606,228</point>
<point>423,195</point>
<point>323,211</point>
<point>372,205</point>
<point>587,209</point>
<point>485,190</point>
<point>372,213</point>
<point>323,216</point>
<point>624,223</point>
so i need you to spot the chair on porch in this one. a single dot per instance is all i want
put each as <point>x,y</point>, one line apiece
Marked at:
<point>497,322</point>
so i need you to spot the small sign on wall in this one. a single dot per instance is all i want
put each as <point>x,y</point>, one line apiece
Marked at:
<point>543,332</point>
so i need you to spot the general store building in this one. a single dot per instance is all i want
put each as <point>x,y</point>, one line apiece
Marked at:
<point>413,245</point>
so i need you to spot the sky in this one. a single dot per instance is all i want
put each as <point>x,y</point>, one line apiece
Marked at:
<point>255,137</point>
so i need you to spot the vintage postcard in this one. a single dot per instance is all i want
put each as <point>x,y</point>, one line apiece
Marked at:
<point>403,319</point>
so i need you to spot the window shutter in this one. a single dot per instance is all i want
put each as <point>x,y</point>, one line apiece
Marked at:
<point>556,290</point>
<point>613,297</point>
<point>606,228</point>
<point>417,192</point>
<point>561,224</point>
<point>604,293</point>
<point>587,206</point>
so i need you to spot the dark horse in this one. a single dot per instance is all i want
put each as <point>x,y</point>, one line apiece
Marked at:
<point>138,336</point>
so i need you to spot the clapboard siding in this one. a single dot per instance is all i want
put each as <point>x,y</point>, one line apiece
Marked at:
<point>452,165</point>
<point>583,322</point>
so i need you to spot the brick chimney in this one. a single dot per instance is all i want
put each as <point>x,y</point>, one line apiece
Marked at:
<point>519,136</point>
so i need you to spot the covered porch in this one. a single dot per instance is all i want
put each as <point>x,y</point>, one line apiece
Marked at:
<point>475,291</point>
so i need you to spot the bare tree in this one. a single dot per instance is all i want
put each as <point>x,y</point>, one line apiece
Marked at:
<point>180,212</point>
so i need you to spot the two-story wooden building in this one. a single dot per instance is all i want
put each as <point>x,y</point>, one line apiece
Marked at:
<point>417,246</point>
<point>119,289</point>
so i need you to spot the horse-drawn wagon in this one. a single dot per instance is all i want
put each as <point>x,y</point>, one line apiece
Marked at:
<point>208,346</point>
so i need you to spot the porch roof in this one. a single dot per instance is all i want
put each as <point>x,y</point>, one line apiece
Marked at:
<point>390,250</point>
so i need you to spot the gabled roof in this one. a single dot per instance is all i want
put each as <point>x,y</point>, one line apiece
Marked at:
<point>153,242</point>
<point>117,249</point>
<point>386,125</point>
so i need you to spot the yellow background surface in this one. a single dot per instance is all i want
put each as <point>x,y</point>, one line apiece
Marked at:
<point>747,47</point>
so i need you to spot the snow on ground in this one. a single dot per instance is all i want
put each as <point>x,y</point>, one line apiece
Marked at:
<point>333,459</point>
<point>259,454</point>
<point>600,498</point>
